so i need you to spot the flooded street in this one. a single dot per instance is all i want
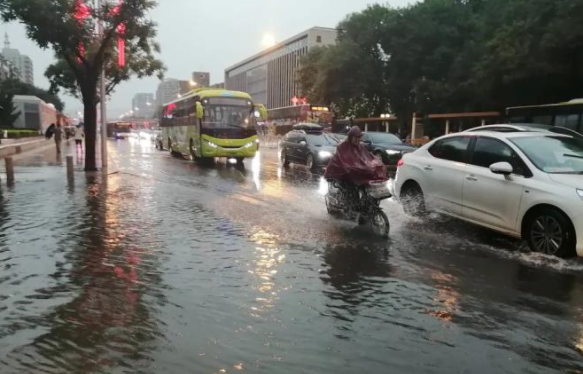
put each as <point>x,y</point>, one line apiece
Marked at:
<point>166,266</point>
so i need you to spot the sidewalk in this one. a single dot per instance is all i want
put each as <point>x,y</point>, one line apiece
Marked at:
<point>23,145</point>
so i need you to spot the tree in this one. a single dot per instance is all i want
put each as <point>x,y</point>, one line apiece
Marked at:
<point>451,56</point>
<point>8,112</point>
<point>350,74</point>
<point>69,28</point>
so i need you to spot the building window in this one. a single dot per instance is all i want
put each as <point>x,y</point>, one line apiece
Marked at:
<point>318,39</point>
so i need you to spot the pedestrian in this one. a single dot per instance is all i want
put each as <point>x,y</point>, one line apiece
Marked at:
<point>79,135</point>
<point>58,133</point>
<point>50,131</point>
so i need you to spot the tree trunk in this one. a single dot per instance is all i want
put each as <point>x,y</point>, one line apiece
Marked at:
<point>89,93</point>
<point>90,135</point>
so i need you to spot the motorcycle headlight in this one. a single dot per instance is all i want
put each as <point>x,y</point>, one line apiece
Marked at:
<point>211,144</point>
<point>580,193</point>
<point>391,152</point>
<point>324,154</point>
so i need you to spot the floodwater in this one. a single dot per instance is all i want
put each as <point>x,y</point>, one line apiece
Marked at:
<point>165,266</point>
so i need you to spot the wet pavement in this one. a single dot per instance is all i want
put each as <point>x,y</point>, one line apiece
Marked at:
<point>165,266</point>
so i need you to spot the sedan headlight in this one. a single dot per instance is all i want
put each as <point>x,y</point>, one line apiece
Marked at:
<point>211,144</point>
<point>391,152</point>
<point>580,193</point>
<point>324,154</point>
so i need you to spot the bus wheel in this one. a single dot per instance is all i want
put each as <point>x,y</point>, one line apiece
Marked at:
<point>192,152</point>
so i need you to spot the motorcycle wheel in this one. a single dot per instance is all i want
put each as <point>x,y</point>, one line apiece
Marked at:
<point>380,223</point>
<point>330,207</point>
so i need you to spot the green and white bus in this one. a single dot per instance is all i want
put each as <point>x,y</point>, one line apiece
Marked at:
<point>568,114</point>
<point>207,123</point>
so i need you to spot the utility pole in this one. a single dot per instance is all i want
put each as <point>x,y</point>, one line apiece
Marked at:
<point>103,97</point>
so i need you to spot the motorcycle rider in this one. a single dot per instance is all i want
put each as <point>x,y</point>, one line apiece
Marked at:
<point>353,166</point>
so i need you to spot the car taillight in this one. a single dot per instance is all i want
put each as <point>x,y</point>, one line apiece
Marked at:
<point>400,163</point>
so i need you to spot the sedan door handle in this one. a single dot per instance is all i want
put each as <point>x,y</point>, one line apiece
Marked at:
<point>428,168</point>
<point>472,178</point>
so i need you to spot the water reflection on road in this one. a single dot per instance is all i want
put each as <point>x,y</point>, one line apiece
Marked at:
<point>168,266</point>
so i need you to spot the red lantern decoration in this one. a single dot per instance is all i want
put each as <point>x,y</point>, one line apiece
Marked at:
<point>82,11</point>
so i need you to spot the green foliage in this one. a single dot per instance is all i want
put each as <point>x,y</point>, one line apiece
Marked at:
<point>449,56</point>
<point>18,134</point>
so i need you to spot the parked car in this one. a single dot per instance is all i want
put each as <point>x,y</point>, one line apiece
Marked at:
<point>308,145</point>
<point>527,184</point>
<point>387,147</point>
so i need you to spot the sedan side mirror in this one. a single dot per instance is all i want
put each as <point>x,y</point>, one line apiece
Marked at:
<point>502,168</point>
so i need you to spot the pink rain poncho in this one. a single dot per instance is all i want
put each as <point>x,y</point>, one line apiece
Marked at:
<point>354,164</point>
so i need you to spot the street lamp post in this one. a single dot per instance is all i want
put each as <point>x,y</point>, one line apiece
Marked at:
<point>102,102</point>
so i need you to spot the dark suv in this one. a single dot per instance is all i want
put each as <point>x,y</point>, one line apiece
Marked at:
<point>387,147</point>
<point>307,145</point>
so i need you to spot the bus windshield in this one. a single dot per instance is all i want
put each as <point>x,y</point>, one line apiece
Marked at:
<point>227,116</point>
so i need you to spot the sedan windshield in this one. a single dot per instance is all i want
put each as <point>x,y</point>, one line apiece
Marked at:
<point>322,140</point>
<point>554,155</point>
<point>380,138</point>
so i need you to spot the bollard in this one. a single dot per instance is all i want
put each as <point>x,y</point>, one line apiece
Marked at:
<point>9,170</point>
<point>70,168</point>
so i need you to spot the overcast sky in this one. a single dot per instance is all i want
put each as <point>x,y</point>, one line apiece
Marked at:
<point>207,35</point>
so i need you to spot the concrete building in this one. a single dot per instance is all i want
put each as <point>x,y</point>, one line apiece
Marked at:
<point>271,76</point>
<point>144,105</point>
<point>34,113</point>
<point>22,63</point>
<point>220,86</point>
<point>202,79</point>
<point>169,89</point>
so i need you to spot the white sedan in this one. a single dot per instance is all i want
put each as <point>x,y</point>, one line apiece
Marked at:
<point>527,184</point>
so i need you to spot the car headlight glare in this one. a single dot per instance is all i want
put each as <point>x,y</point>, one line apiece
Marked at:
<point>580,193</point>
<point>391,152</point>
<point>324,154</point>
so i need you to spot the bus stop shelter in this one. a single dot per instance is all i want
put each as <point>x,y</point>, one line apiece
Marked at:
<point>438,124</point>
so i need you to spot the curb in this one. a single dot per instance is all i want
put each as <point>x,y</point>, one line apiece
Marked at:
<point>14,149</point>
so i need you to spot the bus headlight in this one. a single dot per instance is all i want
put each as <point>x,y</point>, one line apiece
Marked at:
<point>324,154</point>
<point>211,144</point>
<point>248,145</point>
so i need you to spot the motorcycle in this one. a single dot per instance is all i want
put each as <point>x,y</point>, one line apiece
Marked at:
<point>362,204</point>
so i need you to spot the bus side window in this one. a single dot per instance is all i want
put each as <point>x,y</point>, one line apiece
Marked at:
<point>569,121</point>
<point>543,120</point>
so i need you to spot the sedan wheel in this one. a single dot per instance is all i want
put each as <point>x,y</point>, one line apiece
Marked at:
<point>284,159</point>
<point>310,162</point>
<point>551,233</point>
<point>413,201</point>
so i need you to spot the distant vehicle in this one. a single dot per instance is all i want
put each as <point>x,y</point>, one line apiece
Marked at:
<point>524,184</point>
<point>156,138</point>
<point>119,130</point>
<point>308,145</point>
<point>567,114</point>
<point>386,147</point>
<point>208,123</point>
<point>299,114</point>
